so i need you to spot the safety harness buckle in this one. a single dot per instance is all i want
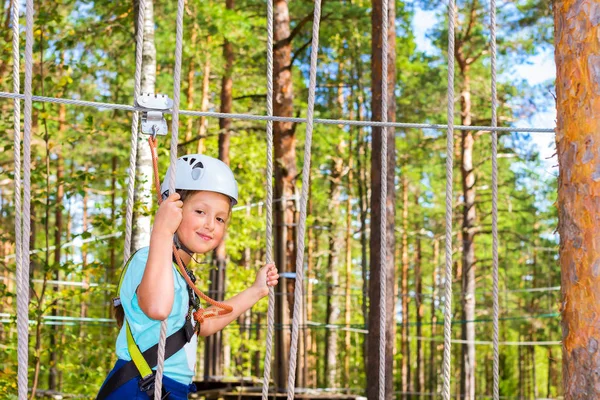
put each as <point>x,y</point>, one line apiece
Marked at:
<point>153,120</point>
<point>146,384</point>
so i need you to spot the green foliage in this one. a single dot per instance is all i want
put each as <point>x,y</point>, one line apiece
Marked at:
<point>86,50</point>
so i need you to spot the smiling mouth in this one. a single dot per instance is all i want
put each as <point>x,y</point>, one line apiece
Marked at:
<point>204,237</point>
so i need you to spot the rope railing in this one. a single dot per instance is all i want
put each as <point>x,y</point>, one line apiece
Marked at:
<point>253,117</point>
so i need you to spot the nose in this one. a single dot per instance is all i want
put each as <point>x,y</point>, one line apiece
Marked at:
<point>209,223</point>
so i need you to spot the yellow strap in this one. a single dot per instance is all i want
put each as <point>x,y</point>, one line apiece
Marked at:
<point>136,355</point>
<point>134,350</point>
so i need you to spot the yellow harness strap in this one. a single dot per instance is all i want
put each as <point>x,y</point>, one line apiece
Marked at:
<point>134,351</point>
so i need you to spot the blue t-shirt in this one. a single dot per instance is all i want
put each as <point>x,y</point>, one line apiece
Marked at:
<point>180,366</point>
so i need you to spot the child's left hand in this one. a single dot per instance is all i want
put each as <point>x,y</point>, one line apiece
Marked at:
<point>266,277</point>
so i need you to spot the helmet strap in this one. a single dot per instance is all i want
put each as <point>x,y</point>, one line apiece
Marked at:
<point>181,246</point>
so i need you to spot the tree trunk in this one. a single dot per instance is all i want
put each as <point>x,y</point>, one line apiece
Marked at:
<point>285,185</point>
<point>143,198</point>
<point>405,344</point>
<point>53,370</point>
<point>214,343</point>
<point>578,144</point>
<point>468,365</point>
<point>204,100</point>
<point>333,309</point>
<point>348,278</point>
<point>311,377</point>
<point>432,351</point>
<point>189,129</point>
<point>420,370</point>
<point>377,264</point>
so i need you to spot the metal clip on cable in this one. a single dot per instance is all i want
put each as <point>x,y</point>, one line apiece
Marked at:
<point>153,120</point>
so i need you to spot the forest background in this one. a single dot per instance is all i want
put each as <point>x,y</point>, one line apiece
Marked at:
<point>86,50</point>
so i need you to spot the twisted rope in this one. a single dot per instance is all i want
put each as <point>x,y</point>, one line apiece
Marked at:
<point>383,199</point>
<point>173,166</point>
<point>139,44</point>
<point>298,288</point>
<point>23,285</point>
<point>496,306</point>
<point>449,167</point>
<point>22,278</point>
<point>251,117</point>
<point>269,228</point>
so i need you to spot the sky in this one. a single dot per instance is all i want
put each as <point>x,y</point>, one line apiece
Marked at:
<point>537,70</point>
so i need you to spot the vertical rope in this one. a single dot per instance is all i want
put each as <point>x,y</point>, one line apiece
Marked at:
<point>496,306</point>
<point>449,167</point>
<point>137,84</point>
<point>269,233</point>
<point>298,288</point>
<point>173,166</point>
<point>22,289</point>
<point>383,198</point>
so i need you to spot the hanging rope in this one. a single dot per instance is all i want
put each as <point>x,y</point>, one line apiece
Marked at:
<point>496,306</point>
<point>173,166</point>
<point>449,167</point>
<point>22,283</point>
<point>383,199</point>
<point>137,84</point>
<point>269,233</point>
<point>23,273</point>
<point>298,288</point>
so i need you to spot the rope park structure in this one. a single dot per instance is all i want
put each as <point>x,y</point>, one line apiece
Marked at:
<point>579,350</point>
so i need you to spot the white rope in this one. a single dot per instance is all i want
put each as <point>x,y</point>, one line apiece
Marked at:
<point>173,166</point>
<point>449,167</point>
<point>496,305</point>
<point>298,288</point>
<point>22,282</point>
<point>269,183</point>
<point>251,117</point>
<point>383,259</point>
<point>137,84</point>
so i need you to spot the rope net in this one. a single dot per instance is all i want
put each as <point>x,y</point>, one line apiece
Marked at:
<point>22,226</point>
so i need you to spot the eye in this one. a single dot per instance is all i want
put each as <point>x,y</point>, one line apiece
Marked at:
<point>200,212</point>
<point>221,220</point>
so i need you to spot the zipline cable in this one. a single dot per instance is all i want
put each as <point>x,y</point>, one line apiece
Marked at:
<point>252,117</point>
<point>298,288</point>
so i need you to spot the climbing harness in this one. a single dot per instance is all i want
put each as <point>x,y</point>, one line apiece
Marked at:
<point>141,364</point>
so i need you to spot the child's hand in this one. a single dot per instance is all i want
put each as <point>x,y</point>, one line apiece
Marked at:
<point>169,215</point>
<point>266,277</point>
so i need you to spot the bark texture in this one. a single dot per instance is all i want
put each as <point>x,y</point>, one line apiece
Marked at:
<point>577,24</point>
<point>376,262</point>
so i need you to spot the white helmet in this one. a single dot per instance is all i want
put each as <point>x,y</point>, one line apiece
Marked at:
<point>200,172</point>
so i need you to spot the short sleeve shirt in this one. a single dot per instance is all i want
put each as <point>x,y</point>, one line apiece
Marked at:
<point>180,366</point>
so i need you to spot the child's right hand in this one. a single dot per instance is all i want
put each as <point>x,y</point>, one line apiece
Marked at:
<point>169,215</point>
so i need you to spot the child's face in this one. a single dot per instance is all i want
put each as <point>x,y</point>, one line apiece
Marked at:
<point>204,221</point>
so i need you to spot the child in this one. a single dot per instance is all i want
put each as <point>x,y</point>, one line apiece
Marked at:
<point>195,218</point>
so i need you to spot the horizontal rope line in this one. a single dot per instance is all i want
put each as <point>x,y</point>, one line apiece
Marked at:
<point>72,321</point>
<point>252,117</point>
